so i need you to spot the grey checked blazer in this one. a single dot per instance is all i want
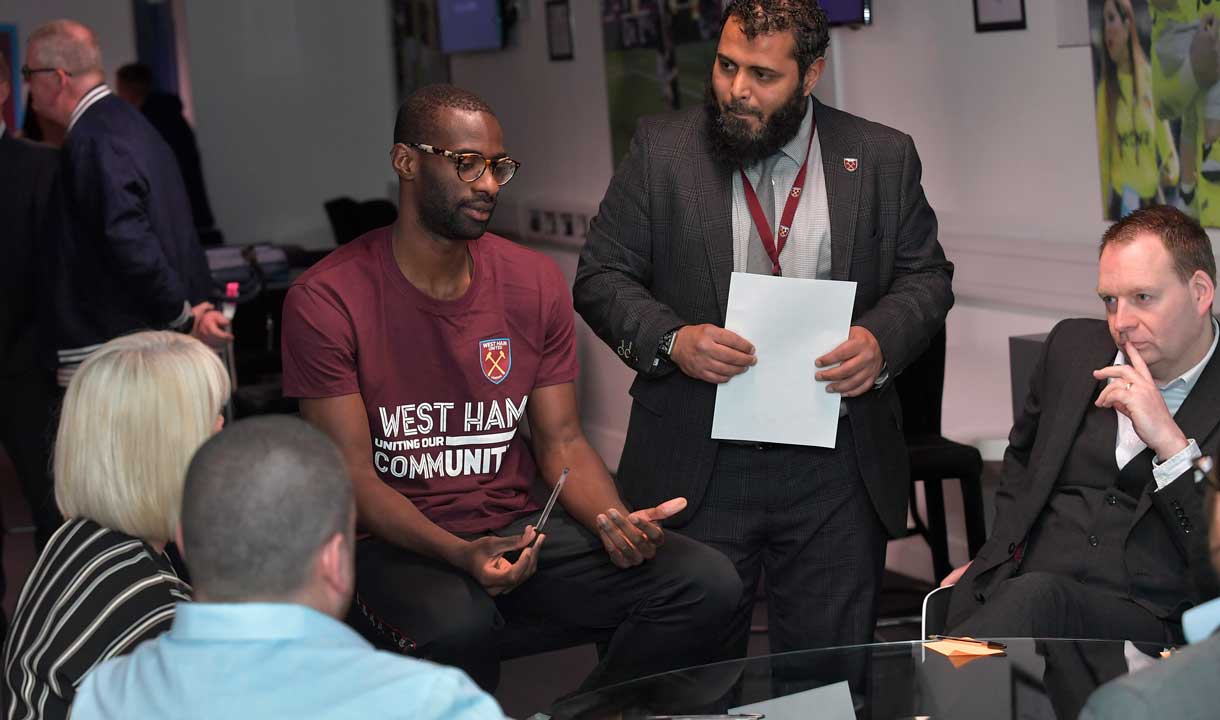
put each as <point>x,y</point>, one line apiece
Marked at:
<point>660,253</point>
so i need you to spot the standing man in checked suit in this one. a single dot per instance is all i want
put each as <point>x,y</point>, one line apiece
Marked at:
<point>653,283</point>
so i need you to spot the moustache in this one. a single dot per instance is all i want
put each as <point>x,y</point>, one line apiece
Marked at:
<point>740,108</point>
<point>485,203</point>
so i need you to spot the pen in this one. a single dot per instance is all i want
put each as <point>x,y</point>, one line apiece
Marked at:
<point>986,643</point>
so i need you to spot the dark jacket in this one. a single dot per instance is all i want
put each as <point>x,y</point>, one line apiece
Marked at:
<point>127,253</point>
<point>164,111</point>
<point>27,178</point>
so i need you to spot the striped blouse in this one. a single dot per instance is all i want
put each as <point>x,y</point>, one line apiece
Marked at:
<point>93,594</point>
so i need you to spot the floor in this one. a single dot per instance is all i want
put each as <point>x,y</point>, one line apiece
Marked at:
<point>529,684</point>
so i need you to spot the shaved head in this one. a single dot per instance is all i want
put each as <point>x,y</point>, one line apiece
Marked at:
<point>261,500</point>
<point>419,115</point>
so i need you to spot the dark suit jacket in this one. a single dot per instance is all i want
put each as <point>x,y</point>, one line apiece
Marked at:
<point>27,177</point>
<point>1168,532</point>
<point>128,255</point>
<point>164,112</point>
<point>660,254</point>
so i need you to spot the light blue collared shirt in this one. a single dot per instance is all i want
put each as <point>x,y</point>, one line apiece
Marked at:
<point>272,660</point>
<point>1128,444</point>
<point>1199,622</point>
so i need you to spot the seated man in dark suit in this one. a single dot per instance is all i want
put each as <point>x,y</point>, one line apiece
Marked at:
<point>1096,515</point>
<point>1182,686</point>
<point>127,257</point>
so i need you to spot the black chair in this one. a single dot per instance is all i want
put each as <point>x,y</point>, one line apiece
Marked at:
<point>935,458</point>
<point>349,219</point>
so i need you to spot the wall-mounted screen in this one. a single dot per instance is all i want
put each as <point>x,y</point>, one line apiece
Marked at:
<point>470,25</point>
<point>848,12</point>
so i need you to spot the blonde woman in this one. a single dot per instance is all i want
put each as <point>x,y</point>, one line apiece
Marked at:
<point>1135,146</point>
<point>134,414</point>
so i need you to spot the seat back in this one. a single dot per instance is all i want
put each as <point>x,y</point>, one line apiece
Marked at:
<point>343,213</point>
<point>921,388</point>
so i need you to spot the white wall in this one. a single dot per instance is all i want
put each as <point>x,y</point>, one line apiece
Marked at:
<point>294,105</point>
<point>110,20</point>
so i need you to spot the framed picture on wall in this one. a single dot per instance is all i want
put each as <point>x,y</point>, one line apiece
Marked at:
<point>10,112</point>
<point>992,15</point>
<point>559,29</point>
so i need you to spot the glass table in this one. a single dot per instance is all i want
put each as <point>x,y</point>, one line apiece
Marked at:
<point>1031,680</point>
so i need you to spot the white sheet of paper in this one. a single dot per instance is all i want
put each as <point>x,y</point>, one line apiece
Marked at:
<point>831,702</point>
<point>791,322</point>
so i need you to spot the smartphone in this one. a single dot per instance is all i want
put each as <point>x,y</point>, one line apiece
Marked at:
<point>550,504</point>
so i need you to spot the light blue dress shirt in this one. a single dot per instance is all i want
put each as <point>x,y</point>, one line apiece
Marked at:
<point>272,660</point>
<point>1201,621</point>
<point>1128,444</point>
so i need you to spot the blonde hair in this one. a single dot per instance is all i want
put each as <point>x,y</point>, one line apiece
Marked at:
<point>133,416</point>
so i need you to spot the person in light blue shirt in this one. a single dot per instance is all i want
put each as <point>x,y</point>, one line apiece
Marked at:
<point>1184,685</point>
<point>267,530</point>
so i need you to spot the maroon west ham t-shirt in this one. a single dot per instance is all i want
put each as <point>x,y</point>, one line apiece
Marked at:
<point>445,383</point>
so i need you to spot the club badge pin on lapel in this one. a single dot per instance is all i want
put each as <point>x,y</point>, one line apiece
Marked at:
<point>850,164</point>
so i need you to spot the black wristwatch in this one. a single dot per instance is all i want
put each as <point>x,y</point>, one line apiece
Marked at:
<point>666,346</point>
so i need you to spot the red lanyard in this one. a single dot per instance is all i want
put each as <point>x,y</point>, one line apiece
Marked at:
<point>785,220</point>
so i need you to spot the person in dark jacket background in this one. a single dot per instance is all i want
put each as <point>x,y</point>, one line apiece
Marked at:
<point>134,83</point>
<point>27,177</point>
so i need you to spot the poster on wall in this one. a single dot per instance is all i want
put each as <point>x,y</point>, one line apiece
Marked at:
<point>11,110</point>
<point>1158,106</point>
<point>659,55</point>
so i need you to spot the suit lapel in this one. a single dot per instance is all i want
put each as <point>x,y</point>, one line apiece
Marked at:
<point>839,141</point>
<point>714,190</point>
<point>1074,400</point>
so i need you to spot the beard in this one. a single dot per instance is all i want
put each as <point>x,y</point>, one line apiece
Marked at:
<point>443,216</point>
<point>734,144</point>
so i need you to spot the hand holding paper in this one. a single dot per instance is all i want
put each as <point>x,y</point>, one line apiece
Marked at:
<point>791,322</point>
<point>857,363</point>
<point>711,354</point>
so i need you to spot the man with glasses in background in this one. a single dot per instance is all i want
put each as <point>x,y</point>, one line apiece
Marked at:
<point>421,348</point>
<point>127,257</point>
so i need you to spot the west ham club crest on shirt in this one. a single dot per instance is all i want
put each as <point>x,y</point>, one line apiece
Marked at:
<point>496,358</point>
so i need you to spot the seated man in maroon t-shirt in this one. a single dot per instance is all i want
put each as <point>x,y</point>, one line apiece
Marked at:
<point>421,348</point>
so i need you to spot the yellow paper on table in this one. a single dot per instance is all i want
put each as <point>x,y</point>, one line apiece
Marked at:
<point>961,652</point>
